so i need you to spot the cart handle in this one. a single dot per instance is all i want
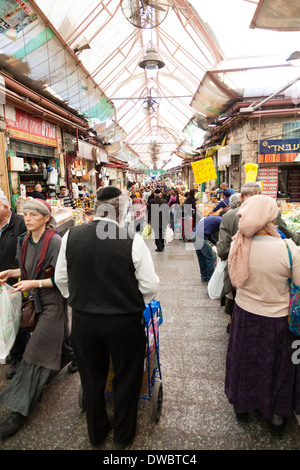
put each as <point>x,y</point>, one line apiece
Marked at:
<point>155,341</point>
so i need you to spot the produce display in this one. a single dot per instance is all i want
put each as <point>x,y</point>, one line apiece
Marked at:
<point>291,215</point>
<point>205,209</point>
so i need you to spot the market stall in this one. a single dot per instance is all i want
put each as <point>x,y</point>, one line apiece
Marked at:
<point>291,215</point>
<point>65,217</point>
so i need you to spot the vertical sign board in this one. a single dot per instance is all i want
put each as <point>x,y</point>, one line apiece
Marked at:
<point>269,178</point>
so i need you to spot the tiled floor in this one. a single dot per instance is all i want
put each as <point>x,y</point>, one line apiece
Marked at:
<point>195,413</point>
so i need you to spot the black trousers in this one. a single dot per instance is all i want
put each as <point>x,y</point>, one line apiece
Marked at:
<point>94,340</point>
<point>159,238</point>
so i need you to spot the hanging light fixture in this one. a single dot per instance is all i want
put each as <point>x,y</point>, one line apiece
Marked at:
<point>151,62</point>
<point>294,59</point>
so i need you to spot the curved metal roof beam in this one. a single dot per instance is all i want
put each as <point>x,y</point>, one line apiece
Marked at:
<point>195,21</point>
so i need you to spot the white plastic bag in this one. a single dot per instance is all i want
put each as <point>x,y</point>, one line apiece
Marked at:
<point>10,313</point>
<point>216,282</point>
<point>169,235</point>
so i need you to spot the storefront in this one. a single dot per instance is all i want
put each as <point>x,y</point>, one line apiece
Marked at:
<point>279,169</point>
<point>229,165</point>
<point>279,174</point>
<point>31,153</point>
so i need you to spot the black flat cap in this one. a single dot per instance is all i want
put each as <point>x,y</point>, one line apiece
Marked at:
<point>109,192</point>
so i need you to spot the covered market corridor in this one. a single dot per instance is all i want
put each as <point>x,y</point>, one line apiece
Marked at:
<point>195,412</point>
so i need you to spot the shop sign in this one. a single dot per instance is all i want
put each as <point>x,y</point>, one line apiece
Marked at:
<point>204,170</point>
<point>224,156</point>
<point>23,126</point>
<point>268,176</point>
<point>280,150</point>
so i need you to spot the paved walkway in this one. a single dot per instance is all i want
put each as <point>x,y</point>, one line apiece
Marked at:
<point>195,413</point>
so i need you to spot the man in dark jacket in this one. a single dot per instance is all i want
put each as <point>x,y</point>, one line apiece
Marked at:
<point>11,227</point>
<point>37,193</point>
<point>158,218</point>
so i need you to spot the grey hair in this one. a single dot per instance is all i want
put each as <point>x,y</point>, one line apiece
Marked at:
<point>114,209</point>
<point>250,189</point>
<point>235,201</point>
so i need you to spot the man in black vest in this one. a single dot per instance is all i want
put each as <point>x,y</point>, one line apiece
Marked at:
<point>11,227</point>
<point>108,275</point>
<point>158,218</point>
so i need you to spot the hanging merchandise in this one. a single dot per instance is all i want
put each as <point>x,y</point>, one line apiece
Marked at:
<point>52,176</point>
<point>27,166</point>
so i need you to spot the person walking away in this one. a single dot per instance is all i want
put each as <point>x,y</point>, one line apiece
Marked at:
<point>48,349</point>
<point>206,232</point>
<point>146,194</point>
<point>107,312</point>
<point>12,225</point>
<point>158,218</point>
<point>190,203</point>
<point>260,373</point>
<point>174,206</point>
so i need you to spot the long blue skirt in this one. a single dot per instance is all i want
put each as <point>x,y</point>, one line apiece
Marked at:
<point>262,370</point>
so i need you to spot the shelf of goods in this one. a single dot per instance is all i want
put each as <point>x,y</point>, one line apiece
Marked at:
<point>63,215</point>
<point>82,217</point>
<point>291,215</point>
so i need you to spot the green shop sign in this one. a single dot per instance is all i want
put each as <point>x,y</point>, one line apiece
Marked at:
<point>155,172</point>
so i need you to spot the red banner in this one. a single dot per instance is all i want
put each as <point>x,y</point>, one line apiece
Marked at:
<point>32,128</point>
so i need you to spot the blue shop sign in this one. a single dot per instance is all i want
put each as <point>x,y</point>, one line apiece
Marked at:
<point>279,146</point>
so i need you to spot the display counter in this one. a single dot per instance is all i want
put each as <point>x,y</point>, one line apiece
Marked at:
<point>64,220</point>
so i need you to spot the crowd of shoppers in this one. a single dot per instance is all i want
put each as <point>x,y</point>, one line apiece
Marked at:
<point>249,234</point>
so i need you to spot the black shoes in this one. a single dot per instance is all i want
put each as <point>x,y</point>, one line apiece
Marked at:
<point>277,429</point>
<point>72,367</point>
<point>12,424</point>
<point>241,417</point>
<point>12,369</point>
<point>122,445</point>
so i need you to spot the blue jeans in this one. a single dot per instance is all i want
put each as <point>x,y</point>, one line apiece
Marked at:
<point>206,261</point>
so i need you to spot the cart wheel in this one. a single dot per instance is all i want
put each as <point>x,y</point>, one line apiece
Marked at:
<point>81,398</point>
<point>157,399</point>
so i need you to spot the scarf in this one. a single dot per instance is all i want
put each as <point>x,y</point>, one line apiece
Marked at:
<point>42,207</point>
<point>256,213</point>
<point>48,234</point>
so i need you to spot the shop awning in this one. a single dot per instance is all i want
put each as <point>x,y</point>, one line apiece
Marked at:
<point>91,152</point>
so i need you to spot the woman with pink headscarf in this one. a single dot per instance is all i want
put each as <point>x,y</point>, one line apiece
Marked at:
<point>260,371</point>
